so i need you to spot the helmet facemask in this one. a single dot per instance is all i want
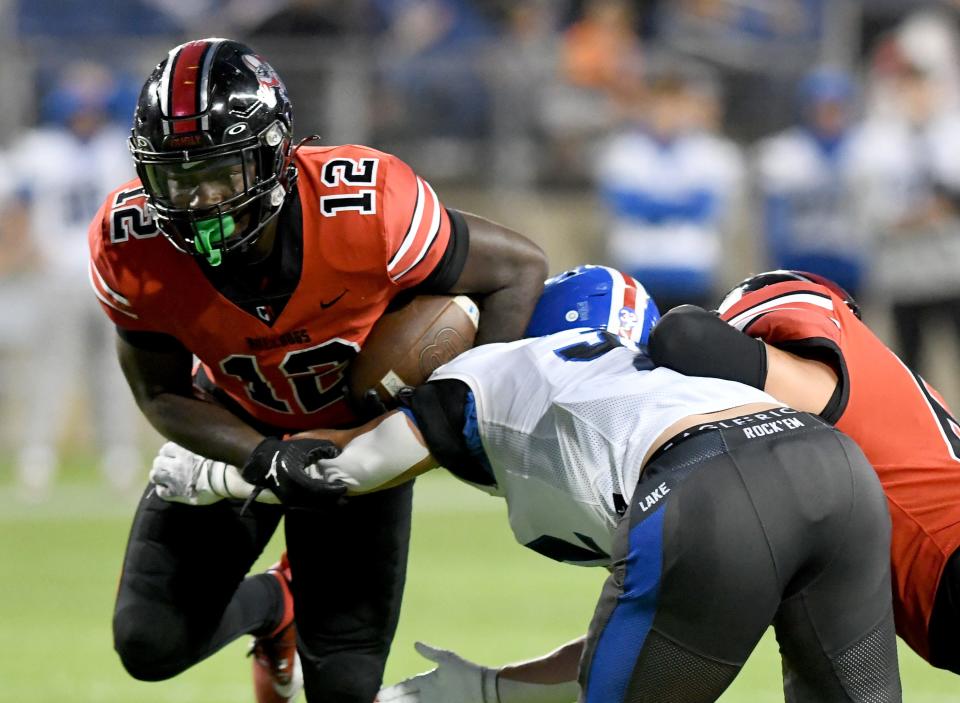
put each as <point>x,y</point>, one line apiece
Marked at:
<point>215,202</point>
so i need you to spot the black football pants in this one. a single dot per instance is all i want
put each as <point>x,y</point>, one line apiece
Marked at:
<point>944,630</point>
<point>736,529</point>
<point>184,590</point>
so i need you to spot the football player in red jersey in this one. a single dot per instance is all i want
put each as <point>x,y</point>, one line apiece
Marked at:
<point>805,344</point>
<point>269,262</point>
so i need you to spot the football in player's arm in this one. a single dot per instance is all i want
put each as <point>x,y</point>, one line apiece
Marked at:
<point>800,337</point>
<point>269,261</point>
<point>601,465</point>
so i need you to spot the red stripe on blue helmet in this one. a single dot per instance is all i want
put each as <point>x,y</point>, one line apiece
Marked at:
<point>629,291</point>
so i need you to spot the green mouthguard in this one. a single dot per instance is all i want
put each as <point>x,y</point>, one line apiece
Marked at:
<point>210,235</point>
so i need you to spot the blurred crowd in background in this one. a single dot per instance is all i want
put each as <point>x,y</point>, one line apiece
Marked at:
<point>689,142</point>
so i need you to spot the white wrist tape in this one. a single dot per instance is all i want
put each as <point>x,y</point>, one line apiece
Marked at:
<point>376,457</point>
<point>510,691</point>
<point>225,480</point>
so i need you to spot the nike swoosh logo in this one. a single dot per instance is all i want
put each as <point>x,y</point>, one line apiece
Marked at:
<point>336,300</point>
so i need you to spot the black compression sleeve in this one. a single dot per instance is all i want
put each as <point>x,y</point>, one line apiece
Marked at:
<point>695,342</point>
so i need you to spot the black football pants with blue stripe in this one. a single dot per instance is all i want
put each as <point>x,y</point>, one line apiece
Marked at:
<point>733,530</point>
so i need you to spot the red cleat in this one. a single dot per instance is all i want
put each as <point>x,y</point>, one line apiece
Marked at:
<point>277,676</point>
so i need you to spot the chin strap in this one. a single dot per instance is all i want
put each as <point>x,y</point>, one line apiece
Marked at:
<point>288,169</point>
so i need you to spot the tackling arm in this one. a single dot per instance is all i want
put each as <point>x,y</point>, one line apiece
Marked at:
<point>548,679</point>
<point>695,342</point>
<point>506,270</point>
<point>385,452</point>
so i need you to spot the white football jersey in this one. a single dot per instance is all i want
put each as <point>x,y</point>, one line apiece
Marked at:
<point>565,421</point>
<point>819,190</point>
<point>699,163</point>
<point>65,179</point>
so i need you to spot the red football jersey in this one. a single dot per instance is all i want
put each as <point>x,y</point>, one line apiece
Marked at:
<point>371,228</point>
<point>900,422</point>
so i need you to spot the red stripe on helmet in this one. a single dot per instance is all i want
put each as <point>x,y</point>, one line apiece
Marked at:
<point>185,85</point>
<point>629,292</point>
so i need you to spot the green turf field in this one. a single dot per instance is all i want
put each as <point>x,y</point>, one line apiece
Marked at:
<point>470,588</point>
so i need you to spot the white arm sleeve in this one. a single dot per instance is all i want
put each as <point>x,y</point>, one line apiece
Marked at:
<point>375,458</point>
<point>510,691</point>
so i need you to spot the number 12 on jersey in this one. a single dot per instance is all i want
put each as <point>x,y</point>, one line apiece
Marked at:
<point>315,375</point>
<point>351,172</point>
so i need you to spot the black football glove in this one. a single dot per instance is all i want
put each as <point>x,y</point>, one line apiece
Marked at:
<point>373,406</point>
<point>281,466</point>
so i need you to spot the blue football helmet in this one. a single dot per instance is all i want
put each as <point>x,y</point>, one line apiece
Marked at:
<point>597,297</point>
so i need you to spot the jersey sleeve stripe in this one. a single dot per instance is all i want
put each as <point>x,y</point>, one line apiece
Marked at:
<point>745,318</point>
<point>432,232</point>
<point>929,401</point>
<point>411,234</point>
<point>108,296</point>
<point>96,278</point>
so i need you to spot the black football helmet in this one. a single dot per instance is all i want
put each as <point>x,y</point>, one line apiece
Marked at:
<point>762,280</point>
<point>211,139</point>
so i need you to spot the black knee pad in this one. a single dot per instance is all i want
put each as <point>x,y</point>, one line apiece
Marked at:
<point>151,644</point>
<point>344,676</point>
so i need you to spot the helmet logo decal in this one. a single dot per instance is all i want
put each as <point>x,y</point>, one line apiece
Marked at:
<point>238,128</point>
<point>629,328</point>
<point>267,78</point>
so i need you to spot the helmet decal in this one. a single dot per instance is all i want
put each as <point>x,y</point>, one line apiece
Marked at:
<point>623,320</point>
<point>267,78</point>
<point>265,73</point>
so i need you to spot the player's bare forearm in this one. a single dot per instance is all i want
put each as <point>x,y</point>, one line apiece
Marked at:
<point>695,342</point>
<point>162,387</point>
<point>559,666</point>
<point>505,272</point>
<point>804,384</point>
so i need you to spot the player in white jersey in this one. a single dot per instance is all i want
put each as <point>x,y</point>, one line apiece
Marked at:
<point>807,178</point>
<point>60,174</point>
<point>717,510</point>
<point>669,190</point>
